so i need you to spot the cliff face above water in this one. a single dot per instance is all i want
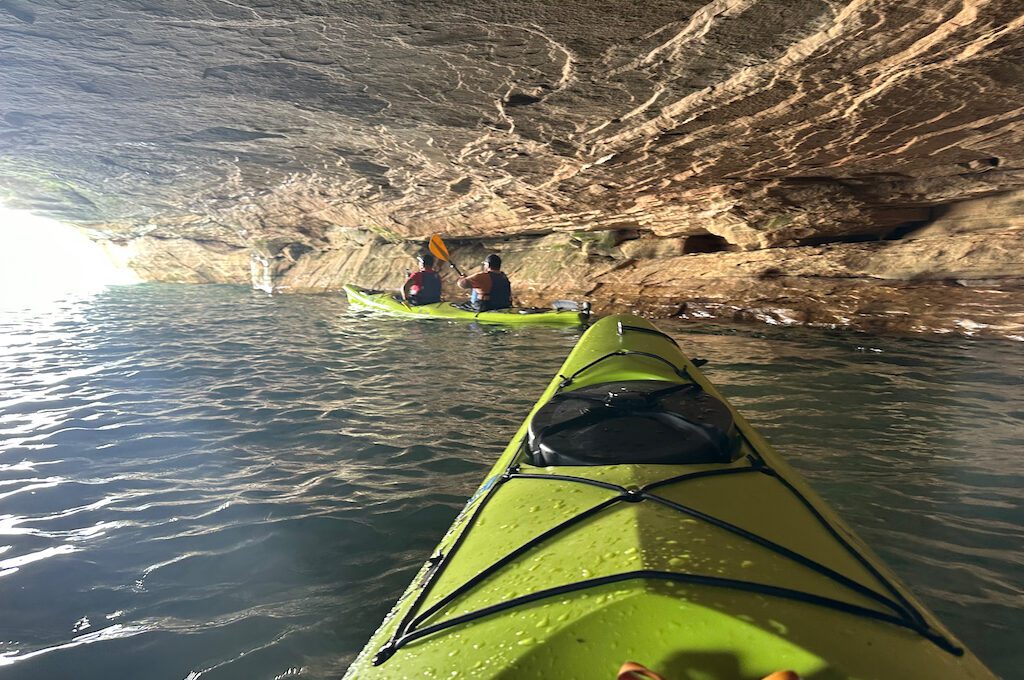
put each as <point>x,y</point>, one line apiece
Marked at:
<point>855,163</point>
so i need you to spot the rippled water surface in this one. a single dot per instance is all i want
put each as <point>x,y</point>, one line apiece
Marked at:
<point>205,482</point>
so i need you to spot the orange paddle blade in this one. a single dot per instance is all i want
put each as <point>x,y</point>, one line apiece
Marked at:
<point>438,248</point>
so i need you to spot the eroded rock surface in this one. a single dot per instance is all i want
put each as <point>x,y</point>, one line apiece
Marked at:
<point>851,163</point>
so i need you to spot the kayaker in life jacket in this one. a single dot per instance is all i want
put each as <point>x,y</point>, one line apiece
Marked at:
<point>424,286</point>
<point>491,288</point>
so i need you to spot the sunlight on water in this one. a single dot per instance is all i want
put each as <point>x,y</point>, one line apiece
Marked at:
<point>45,260</point>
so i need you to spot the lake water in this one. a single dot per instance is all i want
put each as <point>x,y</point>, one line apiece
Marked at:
<point>207,482</point>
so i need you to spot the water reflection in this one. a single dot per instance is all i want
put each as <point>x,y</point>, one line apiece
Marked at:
<point>220,484</point>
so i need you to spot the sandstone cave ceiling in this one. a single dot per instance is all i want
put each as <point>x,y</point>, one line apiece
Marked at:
<point>759,122</point>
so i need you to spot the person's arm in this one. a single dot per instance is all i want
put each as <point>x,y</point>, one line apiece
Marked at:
<point>405,287</point>
<point>468,281</point>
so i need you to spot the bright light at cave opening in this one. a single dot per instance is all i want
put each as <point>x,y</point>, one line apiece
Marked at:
<point>42,259</point>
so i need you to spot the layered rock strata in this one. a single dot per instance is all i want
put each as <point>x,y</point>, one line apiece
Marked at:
<point>961,274</point>
<point>808,161</point>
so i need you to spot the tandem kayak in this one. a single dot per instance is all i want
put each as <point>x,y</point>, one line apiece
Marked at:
<point>387,302</point>
<point>636,516</point>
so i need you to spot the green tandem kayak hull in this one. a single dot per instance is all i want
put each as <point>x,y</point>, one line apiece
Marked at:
<point>386,302</point>
<point>711,571</point>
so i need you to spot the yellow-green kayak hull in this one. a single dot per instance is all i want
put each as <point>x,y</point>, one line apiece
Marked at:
<point>716,571</point>
<point>386,302</point>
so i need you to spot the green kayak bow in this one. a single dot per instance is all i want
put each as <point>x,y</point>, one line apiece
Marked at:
<point>636,516</point>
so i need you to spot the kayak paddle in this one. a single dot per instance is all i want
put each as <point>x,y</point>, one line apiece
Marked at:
<point>440,251</point>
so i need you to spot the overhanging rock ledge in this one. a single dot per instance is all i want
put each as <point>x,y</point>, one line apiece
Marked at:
<point>837,163</point>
